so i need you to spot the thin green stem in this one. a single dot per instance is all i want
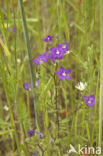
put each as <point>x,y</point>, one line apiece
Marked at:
<point>29,57</point>
<point>101,74</point>
<point>56,101</point>
<point>28,106</point>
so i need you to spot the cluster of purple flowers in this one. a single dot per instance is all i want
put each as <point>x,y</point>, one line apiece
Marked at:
<point>27,86</point>
<point>41,58</point>
<point>55,52</point>
<point>31,133</point>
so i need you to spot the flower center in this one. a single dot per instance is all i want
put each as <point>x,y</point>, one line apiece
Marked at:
<point>57,52</point>
<point>64,74</point>
<point>89,101</point>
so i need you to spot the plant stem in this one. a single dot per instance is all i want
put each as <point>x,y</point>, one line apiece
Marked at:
<point>29,58</point>
<point>15,37</point>
<point>101,74</point>
<point>56,102</point>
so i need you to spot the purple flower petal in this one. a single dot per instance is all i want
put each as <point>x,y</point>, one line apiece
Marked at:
<point>35,152</point>
<point>2,38</point>
<point>67,71</point>
<point>42,58</point>
<point>98,101</point>
<point>41,135</point>
<point>36,61</point>
<point>26,86</point>
<point>68,77</point>
<point>59,46</point>
<point>61,77</point>
<point>52,49</point>
<point>37,83</point>
<point>13,30</point>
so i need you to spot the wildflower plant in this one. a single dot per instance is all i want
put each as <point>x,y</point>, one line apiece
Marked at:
<point>54,56</point>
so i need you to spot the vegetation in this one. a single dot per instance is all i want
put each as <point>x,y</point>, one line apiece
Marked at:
<point>50,76</point>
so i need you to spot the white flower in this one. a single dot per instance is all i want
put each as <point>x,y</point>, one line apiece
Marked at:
<point>51,140</point>
<point>81,86</point>
<point>18,60</point>
<point>6,108</point>
<point>68,52</point>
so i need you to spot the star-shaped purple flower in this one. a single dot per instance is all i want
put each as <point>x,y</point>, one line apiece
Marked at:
<point>63,73</point>
<point>48,38</point>
<point>89,100</point>
<point>31,133</point>
<point>41,58</point>
<point>57,53</point>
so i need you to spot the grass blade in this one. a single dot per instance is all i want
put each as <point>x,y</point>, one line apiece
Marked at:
<point>29,56</point>
<point>101,73</point>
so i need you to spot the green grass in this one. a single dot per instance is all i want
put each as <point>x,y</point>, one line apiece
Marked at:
<point>101,75</point>
<point>43,106</point>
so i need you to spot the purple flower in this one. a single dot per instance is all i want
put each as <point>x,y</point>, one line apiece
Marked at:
<point>89,100</point>
<point>63,73</point>
<point>31,133</point>
<point>48,38</point>
<point>41,135</point>
<point>41,58</point>
<point>37,83</point>
<point>57,53</point>
<point>98,101</point>
<point>13,30</point>
<point>26,86</point>
<point>36,61</point>
<point>44,56</point>
<point>35,152</point>
<point>2,38</point>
